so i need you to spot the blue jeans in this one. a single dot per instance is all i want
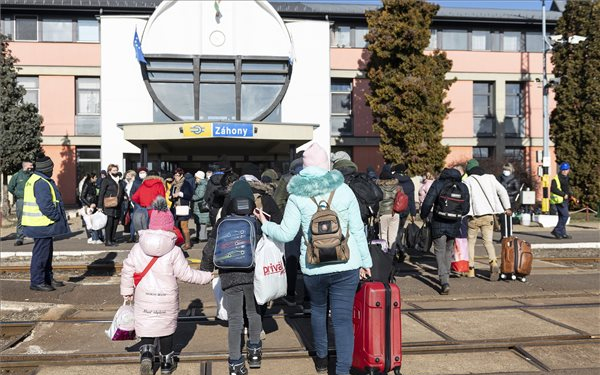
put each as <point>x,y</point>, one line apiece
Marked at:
<point>339,289</point>
<point>563,216</point>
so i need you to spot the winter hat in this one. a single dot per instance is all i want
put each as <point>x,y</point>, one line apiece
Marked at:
<point>44,164</point>
<point>400,168</point>
<point>315,156</point>
<point>161,218</point>
<point>269,175</point>
<point>386,175</point>
<point>251,169</point>
<point>471,164</point>
<point>340,155</point>
<point>477,171</point>
<point>565,166</point>
<point>142,169</point>
<point>296,166</point>
<point>344,164</point>
<point>200,175</point>
<point>241,189</point>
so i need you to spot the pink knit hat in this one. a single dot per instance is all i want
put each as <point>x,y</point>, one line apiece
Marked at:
<point>315,156</point>
<point>161,220</point>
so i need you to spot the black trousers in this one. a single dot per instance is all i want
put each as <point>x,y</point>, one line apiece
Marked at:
<point>165,343</point>
<point>111,229</point>
<point>41,261</point>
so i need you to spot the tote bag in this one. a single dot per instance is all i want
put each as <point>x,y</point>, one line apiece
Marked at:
<point>123,324</point>
<point>460,255</point>
<point>270,280</point>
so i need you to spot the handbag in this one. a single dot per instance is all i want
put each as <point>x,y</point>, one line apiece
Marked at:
<point>460,255</point>
<point>270,280</point>
<point>182,210</point>
<point>112,202</point>
<point>138,276</point>
<point>204,206</point>
<point>123,324</point>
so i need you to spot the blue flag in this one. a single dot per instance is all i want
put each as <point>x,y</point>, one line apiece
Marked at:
<point>138,48</point>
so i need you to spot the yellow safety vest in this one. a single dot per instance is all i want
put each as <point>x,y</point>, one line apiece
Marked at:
<point>32,216</point>
<point>554,198</point>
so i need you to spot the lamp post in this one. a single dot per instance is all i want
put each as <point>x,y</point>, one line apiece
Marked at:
<point>546,125</point>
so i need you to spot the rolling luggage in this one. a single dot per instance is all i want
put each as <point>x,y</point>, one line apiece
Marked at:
<point>377,329</point>
<point>516,257</point>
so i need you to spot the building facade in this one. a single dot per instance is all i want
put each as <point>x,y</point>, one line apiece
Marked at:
<point>285,72</point>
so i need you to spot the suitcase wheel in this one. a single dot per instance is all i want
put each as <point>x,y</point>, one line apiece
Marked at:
<point>523,279</point>
<point>513,277</point>
<point>397,371</point>
<point>503,276</point>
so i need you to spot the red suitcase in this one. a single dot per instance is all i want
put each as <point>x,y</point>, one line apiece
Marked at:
<point>377,328</point>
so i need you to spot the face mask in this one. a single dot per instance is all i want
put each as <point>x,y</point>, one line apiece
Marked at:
<point>506,173</point>
<point>115,174</point>
<point>143,175</point>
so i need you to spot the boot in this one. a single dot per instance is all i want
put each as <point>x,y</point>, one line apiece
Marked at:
<point>254,354</point>
<point>168,363</point>
<point>494,270</point>
<point>185,230</point>
<point>471,272</point>
<point>147,359</point>
<point>237,367</point>
<point>202,236</point>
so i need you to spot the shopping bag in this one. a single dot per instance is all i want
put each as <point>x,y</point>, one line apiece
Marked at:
<point>182,210</point>
<point>218,292</point>
<point>270,280</point>
<point>98,221</point>
<point>123,324</point>
<point>460,255</point>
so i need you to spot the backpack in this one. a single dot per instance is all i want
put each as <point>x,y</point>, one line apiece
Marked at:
<point>236,237</point>
<point>449,203</point>
<point>400,201</point>
<point>367,193</point>
<point>327,243</point>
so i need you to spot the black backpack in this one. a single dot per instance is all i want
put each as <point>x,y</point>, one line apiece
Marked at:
<point>367,193</point>
<point>449,203</point>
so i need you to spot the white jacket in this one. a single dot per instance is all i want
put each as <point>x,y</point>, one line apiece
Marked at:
<point>497,197</point>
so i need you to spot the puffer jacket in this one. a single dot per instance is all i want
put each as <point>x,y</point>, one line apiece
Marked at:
<point>389,188</point>
<point>511,184</point>
<point>423,190</point>
<point>318,183</point>
<point>157,295</point>
<point>152,187</point>
<point>488,196</point>
<point>198,200</point>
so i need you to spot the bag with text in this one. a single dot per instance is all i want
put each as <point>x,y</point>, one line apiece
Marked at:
<point>270,280</point>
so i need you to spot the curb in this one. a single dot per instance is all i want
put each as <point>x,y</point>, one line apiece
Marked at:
<point>27,254</point>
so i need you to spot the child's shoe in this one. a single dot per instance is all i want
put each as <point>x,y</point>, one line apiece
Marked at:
<point>237,367</point>
<point>254,354</point>
<point>168,363</point>
<point>147,359</point>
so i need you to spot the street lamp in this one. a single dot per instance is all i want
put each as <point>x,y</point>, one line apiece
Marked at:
<point>575,39</point>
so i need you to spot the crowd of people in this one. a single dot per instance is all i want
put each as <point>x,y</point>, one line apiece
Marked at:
<point>460,202</point>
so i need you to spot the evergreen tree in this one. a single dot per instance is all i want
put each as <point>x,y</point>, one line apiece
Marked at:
<point>575,122</point>
<point>20,124</point>
<point>408,87</point>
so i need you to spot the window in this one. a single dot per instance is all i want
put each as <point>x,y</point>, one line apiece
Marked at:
<point>433,40</point>
<point>217,89</point>
<point>483,152</point>
<point>483,109</point>
<point>359,37</point>
<point>514,153</point>
<point>88,161</point>
<point>88,30</point>
<point>454,40</point>
<point>514,120</point>
<point>511,41</point>
<point>88,106</point>
<point>341,107</point>
<point>32,89</point>
<point>6,27</point>
<point>481,40</point>
<point>344,36</point>
<point>26,28</point>
<point>57,30</point>
<point>534,42</point>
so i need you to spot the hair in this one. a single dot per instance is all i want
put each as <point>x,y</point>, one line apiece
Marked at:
<point>429,176</point>
<point>179,171</point>
<point>152,172</point>
<point>160,204</point>
<point>111,166</point>
<point>508,167</point>
<point>130,172</point>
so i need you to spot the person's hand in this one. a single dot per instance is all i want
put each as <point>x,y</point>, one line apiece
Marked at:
<point>180,194</point>
<point>260,215</point>
<point>128,298</point>
<point>508,212</point>
<point>92,206</point>
<point>364,273</point>
<point>566,196</point>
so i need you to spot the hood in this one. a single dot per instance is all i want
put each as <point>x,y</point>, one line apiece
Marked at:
<point>156,243</point>
<point>151,181</point>
<point>345,166</point>
<point>296,166</point>
<point>260,187</point>
<point>450,174</point>
<point>387,182</point>
<point>190,179</point>
<point>402,177</point>
<point>312,181</point>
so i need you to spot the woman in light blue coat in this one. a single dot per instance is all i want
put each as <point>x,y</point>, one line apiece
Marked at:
<point>335,282</point>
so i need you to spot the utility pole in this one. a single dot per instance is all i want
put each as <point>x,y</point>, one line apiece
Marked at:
<point>546,125</point>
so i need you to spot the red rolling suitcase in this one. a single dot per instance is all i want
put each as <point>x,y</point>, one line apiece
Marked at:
<point>377,329</point>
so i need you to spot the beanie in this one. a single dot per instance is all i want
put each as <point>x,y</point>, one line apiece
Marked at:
<point>161,218</point>
<point>269,173</point>
<point>44,164</point>
<point>471,164</point>
<point>315,156</point>
<point>400,168</point>
<point>200,175</point>
<point>241,189</point>
<point>340,155</point>
<point>345,164</point>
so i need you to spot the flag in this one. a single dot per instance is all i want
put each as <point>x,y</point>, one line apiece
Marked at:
<point>138,48</point>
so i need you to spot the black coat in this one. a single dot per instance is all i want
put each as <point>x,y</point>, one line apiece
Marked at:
<point>89,194</point>
<point>409,189</point>
<point>439,226</point>
<point>512,186</point>
<point>110,188</point>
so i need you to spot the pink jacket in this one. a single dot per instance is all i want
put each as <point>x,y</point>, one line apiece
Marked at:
<point>156,299</point>
<point>423,190</point>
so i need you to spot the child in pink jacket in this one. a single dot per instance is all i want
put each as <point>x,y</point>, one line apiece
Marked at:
<point>157,295</point>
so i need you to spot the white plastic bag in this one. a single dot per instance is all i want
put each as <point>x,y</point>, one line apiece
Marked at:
<point>123,324</point>
<point>97,221</point>
<point>270,280</point>
<point>218,292</point>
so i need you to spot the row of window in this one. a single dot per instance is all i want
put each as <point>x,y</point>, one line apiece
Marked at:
<point>452,39</point>
<point>50,29</point>
<point>510,153</point>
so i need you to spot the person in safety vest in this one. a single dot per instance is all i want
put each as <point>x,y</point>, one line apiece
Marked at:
<point>560,194</point>
<point>44,217</point>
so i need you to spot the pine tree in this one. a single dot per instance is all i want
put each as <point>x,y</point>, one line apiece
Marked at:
<point>20,123</point>
<point>408,87</point>
<point>575,122</point>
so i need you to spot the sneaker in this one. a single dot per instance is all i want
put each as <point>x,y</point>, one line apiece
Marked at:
<point>471,272</point>
<point>263,335</point>
<point>254,355</point>
<point>90,241</point>
<point>168,363</point>
<point>147,359</point>
<point>445,289</point>
<point>289,300</point>
<point>321,365</point>
<point>237,367</point>
<point>567,237</point>
<point>494,270</point>
<point>556,235</point>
